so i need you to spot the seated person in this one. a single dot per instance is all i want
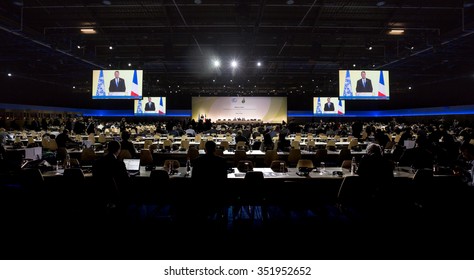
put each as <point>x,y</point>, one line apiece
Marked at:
<point>418,157</point>
<point>239,137</point>
<point>209,166</point>
<point>111,174</point>
<point>374,166</point>
<point>127,145</point>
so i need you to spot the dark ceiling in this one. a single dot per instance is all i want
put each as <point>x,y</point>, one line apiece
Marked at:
<point>301,46</point>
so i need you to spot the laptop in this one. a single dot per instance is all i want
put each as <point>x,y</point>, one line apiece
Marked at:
<point>132,165</point>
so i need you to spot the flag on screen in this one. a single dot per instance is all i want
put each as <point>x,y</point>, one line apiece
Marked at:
<point>134,91</point>
<point>347,85</point>
<point>161,107</point>
<point>318,106</point>
<point>340,110</point>
<point>100,85</point>
<point>139,107</point>
<point>382,91</point>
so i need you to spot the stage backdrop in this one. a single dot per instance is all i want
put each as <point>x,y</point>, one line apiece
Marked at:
<point>265,109</point>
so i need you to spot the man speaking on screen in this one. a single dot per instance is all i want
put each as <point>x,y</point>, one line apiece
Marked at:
<point>364,84</point>
<point>150,105</point>
<point>117,84</point>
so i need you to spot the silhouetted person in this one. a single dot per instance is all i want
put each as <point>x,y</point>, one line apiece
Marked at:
<point>111,175</point>
<point>204,198</point>
<point>63,138</point>
<point>209,167</point>
<point>127,145</point>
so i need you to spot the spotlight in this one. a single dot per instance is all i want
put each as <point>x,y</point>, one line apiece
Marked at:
<point>368,46</point>
<point>216,63</point>
<point>129,64</point>
<point>409,88</point>
<point>259,64</point>
<point>9,74</point>
<point>111,47</point>
<point>354,65</point>
<point>233,64</point>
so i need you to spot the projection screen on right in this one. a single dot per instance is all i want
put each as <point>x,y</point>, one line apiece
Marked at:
<point>264,109</point>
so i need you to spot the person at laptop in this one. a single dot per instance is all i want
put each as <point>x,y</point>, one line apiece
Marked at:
<point>111,174</point>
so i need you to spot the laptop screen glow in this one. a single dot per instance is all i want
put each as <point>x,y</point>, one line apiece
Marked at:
<point>132,164</point>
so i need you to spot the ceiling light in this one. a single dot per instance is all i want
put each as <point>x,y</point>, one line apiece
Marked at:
<point>88,31</point>
<point>396,31</point>
<point>290,2</point>
<point>409,87</point>
<point>111,47</point>
<point>353,65</point>
<point>216,63</point>
<point>129,64</point>
<point>259,64</point>
<point>9,74</point>
<point>233,64</point>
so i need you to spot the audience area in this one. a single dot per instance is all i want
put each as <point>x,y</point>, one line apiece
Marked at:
<point>296,190</point>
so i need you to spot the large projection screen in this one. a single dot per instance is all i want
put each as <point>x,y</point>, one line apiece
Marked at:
<point>117,84</point>
<point>265,109</point>
<point>364,84</point>
<point>328,106</point>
